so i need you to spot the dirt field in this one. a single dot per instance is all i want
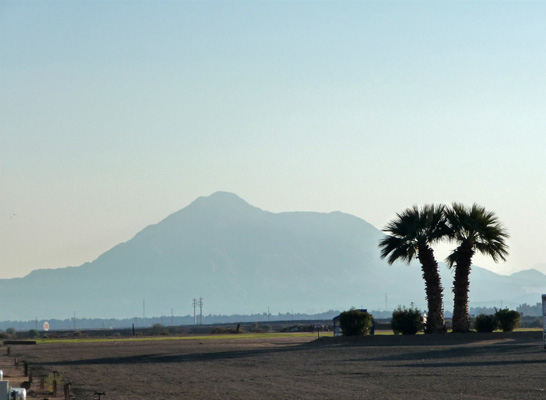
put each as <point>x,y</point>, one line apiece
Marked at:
<point>472,366</point>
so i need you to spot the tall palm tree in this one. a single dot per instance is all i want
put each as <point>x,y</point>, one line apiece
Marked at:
<point>411,235</point>
<point>474,229</point>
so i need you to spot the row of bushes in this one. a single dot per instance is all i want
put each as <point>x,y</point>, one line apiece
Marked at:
<point>405,321</point>
<point>409,321</point>
<point>504,319</point>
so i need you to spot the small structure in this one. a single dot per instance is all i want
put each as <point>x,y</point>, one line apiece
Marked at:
<point>337,327</point>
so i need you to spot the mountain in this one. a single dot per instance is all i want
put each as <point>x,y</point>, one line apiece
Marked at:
<point>241,259</point>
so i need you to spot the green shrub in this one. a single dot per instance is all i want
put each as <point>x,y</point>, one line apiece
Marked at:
<point>406,321</point>
<point>33,333</point>
<point>355,322</point>
<point>11,332</point>
<point>508,320</point>
<point>485,323</point>
<point>158,329</point>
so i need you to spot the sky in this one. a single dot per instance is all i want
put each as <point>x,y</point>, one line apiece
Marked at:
<point>115,114</point>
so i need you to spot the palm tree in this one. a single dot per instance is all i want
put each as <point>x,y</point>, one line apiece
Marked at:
<point>474,229</point>
<point>411,235</point>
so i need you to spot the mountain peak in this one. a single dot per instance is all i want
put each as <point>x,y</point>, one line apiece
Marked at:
<point>219,206</point>
<point>224,201</point>
<point>529,274</point>
<point>222,196</point>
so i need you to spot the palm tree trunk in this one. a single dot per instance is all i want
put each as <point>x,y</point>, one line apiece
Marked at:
<point>433,288</point>
<point>461,287</point>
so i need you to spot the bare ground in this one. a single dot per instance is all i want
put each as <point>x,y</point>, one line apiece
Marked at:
<point>467,366</point>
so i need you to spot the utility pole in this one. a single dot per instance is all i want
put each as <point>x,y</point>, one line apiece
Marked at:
<point>172,317</point>
<point>74,320</point>
<point>200,311</point>
<point>143,312</point>
<point>194,317</point>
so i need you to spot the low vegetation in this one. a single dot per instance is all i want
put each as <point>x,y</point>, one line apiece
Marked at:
<point>33,333</point>
<point>355,322</point>
<point>504,319</point>
<point>507,320</point>
<point>10,333</point>
<point>158,329</point>
<point>485,323</point>
<point>218,330</point>
<point>407,321</point>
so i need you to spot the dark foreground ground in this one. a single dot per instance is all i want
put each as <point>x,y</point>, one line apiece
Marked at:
<point>472,366</point>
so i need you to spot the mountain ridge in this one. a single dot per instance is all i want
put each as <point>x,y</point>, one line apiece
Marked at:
<point>241,259</point>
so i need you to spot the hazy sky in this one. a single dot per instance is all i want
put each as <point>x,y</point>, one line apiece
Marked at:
<point>115,114</point>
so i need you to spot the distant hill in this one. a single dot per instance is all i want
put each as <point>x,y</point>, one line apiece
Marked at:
<point>241,259</point>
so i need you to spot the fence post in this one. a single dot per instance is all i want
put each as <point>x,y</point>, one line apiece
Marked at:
<point>67,391</point>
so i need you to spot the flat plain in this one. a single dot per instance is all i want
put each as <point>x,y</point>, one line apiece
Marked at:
<point>461,366</point>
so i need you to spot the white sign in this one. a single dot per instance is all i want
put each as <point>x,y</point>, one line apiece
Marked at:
<point>46,326</point>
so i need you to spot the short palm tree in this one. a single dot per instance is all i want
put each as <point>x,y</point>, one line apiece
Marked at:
<point>474,229</point>
<point>410,236</point>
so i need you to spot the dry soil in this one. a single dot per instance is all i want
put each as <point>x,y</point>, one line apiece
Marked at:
<point>469,366</point>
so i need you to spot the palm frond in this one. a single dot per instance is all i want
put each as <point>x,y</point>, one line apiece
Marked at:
<point>412,228</point>
<point>478,227</point>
